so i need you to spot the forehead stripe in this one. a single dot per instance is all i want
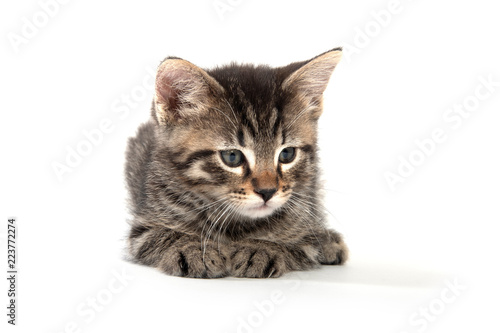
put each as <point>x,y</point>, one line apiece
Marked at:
<point>241,138</point>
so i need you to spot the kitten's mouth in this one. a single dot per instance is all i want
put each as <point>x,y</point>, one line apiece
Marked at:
<point>261,207</point>
<point>258,211</point>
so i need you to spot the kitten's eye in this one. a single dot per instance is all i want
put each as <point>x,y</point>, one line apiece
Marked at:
<point>287,155</point>
<point>232,158</point>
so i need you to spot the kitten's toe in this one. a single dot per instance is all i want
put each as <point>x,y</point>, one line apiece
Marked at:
<point>192,261</point>
<point>215,263</point>
<point>334,251</point>
<point>257,263</point>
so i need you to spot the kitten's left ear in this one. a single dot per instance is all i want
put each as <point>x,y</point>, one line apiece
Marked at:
<point>309,81</point>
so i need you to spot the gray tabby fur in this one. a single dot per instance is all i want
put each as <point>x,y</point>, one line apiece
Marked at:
<point>194,216</point>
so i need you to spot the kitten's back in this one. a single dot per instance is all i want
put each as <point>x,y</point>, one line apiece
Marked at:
<point>139,155</point>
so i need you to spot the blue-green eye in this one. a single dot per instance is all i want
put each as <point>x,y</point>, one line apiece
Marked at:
<point>232,158</point>
<point>287,155</point>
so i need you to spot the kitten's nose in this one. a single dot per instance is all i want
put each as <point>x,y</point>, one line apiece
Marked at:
<point>266,193</point>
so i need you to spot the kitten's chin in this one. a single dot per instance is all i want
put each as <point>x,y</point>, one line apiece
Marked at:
<point>258,211</point>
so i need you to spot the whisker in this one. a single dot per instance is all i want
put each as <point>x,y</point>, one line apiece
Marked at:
<point>210,230</point>
<point>204,241</point>
<point>320,205</point>
<point>293,200</point>
<point>225,115</point>
<point>231,213</point>
<point>232,110</point>
<point>205,207</point>
<point>301,113</point>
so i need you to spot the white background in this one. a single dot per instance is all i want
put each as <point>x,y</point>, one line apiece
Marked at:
<point>393,87</point>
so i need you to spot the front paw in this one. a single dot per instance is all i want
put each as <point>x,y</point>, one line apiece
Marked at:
<point>333,249</point>
<point>258,260</point>
<point>191,260</point>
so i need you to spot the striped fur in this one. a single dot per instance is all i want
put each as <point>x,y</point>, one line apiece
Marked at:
<point>195,216</point>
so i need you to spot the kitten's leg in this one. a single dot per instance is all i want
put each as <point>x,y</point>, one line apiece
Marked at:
<point>332,249</point>
<point>177,253</point>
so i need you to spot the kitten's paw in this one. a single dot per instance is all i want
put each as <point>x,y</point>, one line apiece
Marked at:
<point>333,250</point>
<point>192,261</point>
<point>257,261</point>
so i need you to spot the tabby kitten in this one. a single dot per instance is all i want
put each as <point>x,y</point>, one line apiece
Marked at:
<point>223,179</point>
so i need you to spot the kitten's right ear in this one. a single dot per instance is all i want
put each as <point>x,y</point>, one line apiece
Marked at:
<point>182,90</point>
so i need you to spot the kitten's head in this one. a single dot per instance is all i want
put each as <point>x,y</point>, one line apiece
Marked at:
<point>242,137</point>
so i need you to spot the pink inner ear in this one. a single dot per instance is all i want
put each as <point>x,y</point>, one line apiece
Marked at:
<point>167,88</point>
<point>169,96</point>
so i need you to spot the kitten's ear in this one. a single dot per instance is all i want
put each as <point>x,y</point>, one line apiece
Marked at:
<point>309,80</point>
<point>182,90</point>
